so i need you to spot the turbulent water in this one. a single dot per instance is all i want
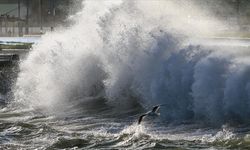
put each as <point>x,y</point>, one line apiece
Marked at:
<point>84,86</point>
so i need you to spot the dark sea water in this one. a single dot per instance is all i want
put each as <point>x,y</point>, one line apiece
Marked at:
<point>102,129</point>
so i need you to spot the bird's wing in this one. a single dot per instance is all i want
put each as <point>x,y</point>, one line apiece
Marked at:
<point>140,118</point>
<point>155,108</point>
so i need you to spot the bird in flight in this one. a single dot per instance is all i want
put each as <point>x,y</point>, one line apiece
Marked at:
<point>153,113</point>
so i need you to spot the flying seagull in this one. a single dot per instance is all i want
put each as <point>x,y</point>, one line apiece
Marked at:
<point>153,113</point>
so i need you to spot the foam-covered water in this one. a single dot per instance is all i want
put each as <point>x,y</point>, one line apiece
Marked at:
<point>85,86</point>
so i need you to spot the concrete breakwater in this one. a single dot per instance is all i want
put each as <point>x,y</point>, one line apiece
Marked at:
<point>8,74</point>
<point>9,60</point>
<point>12,49</point>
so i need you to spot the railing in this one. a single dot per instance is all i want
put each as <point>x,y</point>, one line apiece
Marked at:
<point>14,31</point>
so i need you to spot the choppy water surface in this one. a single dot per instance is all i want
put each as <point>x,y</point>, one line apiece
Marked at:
<point>84,86</point>
<point>29,129</point>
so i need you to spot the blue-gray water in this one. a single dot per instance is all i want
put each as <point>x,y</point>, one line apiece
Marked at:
<point>102,128</point>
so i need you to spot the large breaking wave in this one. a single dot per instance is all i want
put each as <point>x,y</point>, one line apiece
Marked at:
<point>137,52</point>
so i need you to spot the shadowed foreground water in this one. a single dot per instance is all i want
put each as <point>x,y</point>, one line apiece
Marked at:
<point>104,129</point>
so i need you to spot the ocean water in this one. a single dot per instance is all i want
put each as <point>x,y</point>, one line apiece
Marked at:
<point>84,86</point>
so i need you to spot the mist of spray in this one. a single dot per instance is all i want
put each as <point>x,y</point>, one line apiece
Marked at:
<point>127,51</point>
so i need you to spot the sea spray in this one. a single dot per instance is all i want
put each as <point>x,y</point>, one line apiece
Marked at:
<point>133,52</point>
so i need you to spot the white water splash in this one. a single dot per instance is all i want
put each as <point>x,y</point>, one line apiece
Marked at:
<point>130,51</point>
